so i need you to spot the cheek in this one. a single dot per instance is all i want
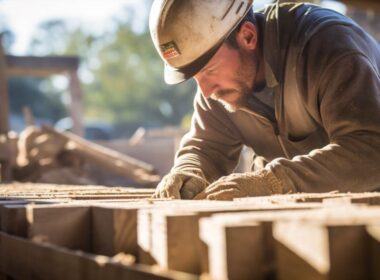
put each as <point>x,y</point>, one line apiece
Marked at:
<point>231,71</point>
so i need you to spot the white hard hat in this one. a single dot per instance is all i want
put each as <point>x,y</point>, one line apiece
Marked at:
<point>187,33</point>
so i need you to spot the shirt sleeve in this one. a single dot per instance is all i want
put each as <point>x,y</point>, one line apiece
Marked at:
<point>212,146</point>
<point>347,98</point>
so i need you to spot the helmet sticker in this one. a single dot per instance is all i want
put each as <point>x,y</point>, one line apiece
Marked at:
<point>170,50</point>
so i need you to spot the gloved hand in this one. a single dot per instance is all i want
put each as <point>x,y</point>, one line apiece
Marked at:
<point>181,184</point>
<point>258,183</point>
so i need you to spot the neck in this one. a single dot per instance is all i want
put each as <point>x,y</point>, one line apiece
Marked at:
<point>260,81</point>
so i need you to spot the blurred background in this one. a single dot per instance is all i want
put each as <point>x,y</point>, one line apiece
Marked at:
<point>121,76</point>
<point>121,96</point>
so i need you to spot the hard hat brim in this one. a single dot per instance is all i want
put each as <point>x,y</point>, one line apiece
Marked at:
<point>174,76</point>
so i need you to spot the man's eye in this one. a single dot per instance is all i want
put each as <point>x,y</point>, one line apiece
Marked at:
<point>210,71</point>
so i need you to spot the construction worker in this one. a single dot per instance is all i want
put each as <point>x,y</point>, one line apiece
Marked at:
<point>297,83</point>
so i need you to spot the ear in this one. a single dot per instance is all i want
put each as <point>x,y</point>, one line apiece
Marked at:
<point>247,36</point>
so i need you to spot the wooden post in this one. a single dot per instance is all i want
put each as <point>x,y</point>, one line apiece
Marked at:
<point>173,229</point>
<point>374,235</point>
<point>46,66</point>
<point>76,106</point>
<point>25,259</point>
<point>236,249</point>
<point>5,167</point>
<point>331,243</point>
<point>114,229</point>
<point>64,225</point>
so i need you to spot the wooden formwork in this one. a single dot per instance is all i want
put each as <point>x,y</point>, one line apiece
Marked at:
<point>72,232</point>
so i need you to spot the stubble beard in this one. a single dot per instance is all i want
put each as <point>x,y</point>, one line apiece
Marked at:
<point>245,81</point>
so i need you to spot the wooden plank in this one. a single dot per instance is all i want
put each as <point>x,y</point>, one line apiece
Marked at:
<point>171,235</point>
<point>145,235</point>
<point>14,256</point>
<point>4,148</point>
<point>236,250</point>
<point>13,219</point>
<point>40,66</point>
<point>114,228</point>
<point>374,236</point>
<point>14,215</point>
<point>5,167</point>
<point>24,259</point>
<point>76,108</point>
<point>372,198</point>
<point>290,198</point>
<point>331,244</point>
<point>64,225</point>
<point>165,226</point>
<point>111,160</point>
<point>236,238</point>
<point>73,197</point>
<point>49,191</point>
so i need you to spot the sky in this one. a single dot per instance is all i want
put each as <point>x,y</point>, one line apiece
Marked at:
<point>23,16</point>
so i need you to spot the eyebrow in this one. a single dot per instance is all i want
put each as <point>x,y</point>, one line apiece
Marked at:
<point>207,67</point>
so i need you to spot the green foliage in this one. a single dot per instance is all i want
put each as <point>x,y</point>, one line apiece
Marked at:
<point>121,71</point>
<point>26,92</point>
<point>128,85</point>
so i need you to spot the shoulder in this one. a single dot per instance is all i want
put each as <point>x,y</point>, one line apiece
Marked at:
<point>334,43</point>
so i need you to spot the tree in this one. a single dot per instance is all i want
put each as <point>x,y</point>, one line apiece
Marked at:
<point>128,83</point>
<point>122,75</point>
<point>27,92</point>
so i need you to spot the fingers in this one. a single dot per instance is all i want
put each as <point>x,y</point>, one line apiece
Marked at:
<point>220,191</point>
<point>169,187</point>
<point>201,195</point>
<point>225,194</point>
<point>228,194</point>
<point>192,187</point>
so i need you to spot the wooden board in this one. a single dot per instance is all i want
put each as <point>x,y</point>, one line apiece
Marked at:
<point>24,259</point>
<point>64,225</point>
<point>235,251</point>
<point>332,244</point>
<point>374,236</point>
<point>114,228</point>
<point>171,230</point>
<point>371,198</point>
<point>30,191</point>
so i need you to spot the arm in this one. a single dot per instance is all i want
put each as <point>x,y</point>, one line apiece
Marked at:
<point>213,144</point>
<point>342,91</point>
<point>209,150</point>
<point>349,98</point>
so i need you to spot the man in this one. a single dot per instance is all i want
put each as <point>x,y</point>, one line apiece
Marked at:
<point>297,83</point>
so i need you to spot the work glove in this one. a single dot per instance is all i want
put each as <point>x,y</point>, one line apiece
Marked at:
<point>181,184</point>
<point>259,183</point>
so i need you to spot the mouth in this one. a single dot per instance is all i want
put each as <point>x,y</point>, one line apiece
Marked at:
<point>227,96</point>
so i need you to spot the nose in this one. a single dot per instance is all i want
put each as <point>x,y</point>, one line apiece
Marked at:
<point>206,86</point>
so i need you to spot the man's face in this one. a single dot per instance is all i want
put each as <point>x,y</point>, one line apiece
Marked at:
<point>228,77</point>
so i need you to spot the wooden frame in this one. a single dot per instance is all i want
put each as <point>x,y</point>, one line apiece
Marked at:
<point>11,66</point>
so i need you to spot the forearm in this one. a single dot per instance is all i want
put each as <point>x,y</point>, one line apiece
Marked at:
<point>213,144</point>
<point>212,161</point>
<point>351,163</point>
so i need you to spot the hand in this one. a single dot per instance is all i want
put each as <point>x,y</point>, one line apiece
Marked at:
<point>259,183</point>
<point>180,184</point>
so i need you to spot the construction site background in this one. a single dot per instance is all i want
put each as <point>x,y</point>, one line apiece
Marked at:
<point>120,101</point>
